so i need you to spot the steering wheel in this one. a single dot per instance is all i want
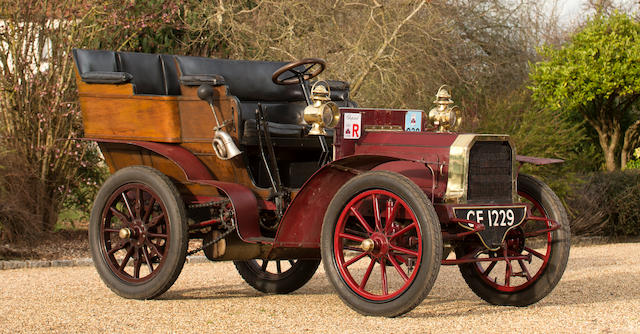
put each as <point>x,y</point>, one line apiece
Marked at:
<point>297,76</point>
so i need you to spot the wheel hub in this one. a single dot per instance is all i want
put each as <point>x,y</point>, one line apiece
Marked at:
<point>367,245</point>
<point>124,233</point>
<point>377,244</point>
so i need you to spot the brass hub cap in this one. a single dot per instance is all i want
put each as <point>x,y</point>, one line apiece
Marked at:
<point>367,245</point>
<point>124,233</point>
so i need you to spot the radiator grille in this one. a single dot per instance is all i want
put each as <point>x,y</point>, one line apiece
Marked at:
<point>490,172</point>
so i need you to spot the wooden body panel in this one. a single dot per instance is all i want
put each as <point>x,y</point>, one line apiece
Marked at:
<point>198,129</point>
<point>114,112</point>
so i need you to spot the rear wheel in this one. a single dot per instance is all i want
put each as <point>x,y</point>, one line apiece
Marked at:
<point>524,282</point>
<point>138,233</point>
<point>381,244</point>
<point>277,276</point>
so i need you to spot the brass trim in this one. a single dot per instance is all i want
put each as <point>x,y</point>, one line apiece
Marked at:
<point>124,233</point>
<point>458,178</point>
<point>367,245</point>
<point>382,128</point>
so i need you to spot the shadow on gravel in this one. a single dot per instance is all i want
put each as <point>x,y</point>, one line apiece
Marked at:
<point>234,291</point>
<point>583,291</point>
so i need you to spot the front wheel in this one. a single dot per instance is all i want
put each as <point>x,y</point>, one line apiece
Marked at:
<point>523,282</point>
<point>381,244</point>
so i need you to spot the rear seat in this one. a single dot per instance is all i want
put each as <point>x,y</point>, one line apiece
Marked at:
<point>150,74</point>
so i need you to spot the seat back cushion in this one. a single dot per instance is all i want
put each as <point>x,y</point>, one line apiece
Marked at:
<point>248,80</point>
<point>147,71</point>
<point>95,61</point>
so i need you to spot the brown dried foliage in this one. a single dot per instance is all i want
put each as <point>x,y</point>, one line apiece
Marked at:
<point>39,114</point>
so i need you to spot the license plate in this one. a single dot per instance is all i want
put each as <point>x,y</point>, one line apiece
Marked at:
<point>497,221</point>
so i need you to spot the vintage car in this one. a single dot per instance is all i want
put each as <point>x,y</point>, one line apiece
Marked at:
<point>275,172</point>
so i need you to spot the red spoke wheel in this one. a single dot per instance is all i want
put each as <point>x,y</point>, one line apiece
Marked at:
<point>521,282</point>
<point>277,276</point>
<point>137,233</point>
<point>381,244</point>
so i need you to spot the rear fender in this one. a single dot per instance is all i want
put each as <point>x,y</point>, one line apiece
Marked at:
<point>302,222</point>
<point>242,198</point>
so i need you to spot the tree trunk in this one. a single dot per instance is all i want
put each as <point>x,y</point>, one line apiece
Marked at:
<point>610,159</point>
<point>609,136</point>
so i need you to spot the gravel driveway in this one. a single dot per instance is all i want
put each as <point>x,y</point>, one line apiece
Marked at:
<point>600,292</point>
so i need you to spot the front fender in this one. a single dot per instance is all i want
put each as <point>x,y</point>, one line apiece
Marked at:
<point>301,224</point>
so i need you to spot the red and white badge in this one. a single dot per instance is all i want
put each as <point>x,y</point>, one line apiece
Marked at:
<point>352,125</point>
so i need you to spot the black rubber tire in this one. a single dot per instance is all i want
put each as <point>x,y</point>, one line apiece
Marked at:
<point>429,225</point>
<point>551,275</point>
<point>288,281</point>
<point>176,254</point>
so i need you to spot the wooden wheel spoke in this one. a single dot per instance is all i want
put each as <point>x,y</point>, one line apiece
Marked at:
<point>361,219</point>
<point>534,253</point>
<point>525,271</point>
<point>126,202</point>
<point>383,276</point>
<point>126,258</point>
<point>138,203</point>
<point>355,232</point>
<point>350,237</point>
<point>354,259</point>
<point>157,235</point>
<point>154,221</point>
<point>365,278</point>
<point>508,270</point>
<point>154,249</point>
<point>392,210</point>
<point>404,230</point>
<point>147,258</point>
<point>120,245</point>
<point>111,230</point>
<point>137,264</point>
<point>120,215</point>
<point>278,267</point>
<point>487,271</point>
<point>376,212</point>
<point>148,209</point>
<point>508,274</point>
<point>404,250</point>
<point>398,268</point>
<point>264,265</point>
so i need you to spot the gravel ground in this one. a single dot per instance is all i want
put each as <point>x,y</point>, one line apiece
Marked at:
<point>600,292</point>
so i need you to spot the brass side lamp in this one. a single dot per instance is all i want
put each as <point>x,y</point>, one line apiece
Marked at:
<point>322,113</point>
<point>444,116</point>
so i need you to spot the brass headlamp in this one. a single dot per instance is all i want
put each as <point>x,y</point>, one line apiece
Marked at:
<point>444,117</point>
<point>322,113</point>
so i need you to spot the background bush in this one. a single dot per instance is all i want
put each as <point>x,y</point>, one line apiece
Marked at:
<point>607,204</point>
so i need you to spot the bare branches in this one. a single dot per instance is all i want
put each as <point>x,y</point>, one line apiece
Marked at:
<point>372,62</point>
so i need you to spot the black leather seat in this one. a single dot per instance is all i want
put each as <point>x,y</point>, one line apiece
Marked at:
<point>151,74</point>
<point>250,82</point>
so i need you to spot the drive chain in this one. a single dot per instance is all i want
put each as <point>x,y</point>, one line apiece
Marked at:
<point>222,236</point>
